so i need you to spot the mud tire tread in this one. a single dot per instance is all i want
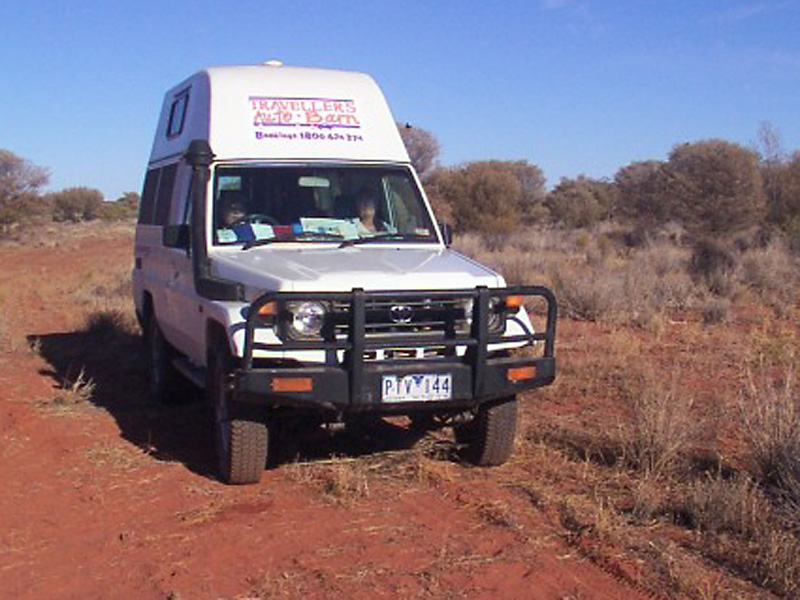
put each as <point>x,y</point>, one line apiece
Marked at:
<point>489,438</point>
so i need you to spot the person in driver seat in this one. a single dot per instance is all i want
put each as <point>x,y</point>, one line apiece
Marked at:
<point>232,219</point>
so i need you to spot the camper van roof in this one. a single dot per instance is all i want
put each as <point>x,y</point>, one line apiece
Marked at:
<point>272,112</point>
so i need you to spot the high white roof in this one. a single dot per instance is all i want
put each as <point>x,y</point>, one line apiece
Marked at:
<point>272,112</point>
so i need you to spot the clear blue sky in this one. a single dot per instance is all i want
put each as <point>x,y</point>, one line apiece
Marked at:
<point>574,86</point>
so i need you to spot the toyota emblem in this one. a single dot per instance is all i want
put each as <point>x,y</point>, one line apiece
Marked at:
<point>400,313</point>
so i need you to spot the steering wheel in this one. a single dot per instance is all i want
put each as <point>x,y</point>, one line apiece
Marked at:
<point>257,218</point>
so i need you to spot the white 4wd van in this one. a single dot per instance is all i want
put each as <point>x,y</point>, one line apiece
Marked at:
<point>288,261</point>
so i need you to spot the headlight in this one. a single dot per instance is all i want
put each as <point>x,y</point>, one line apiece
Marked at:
<point>497,315</point>
<point>496,319</point>
<point>467,306</point>
<point>305,319</point>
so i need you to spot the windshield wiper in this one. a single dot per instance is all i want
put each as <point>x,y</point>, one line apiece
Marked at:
<point>326,235</point>
<point>303,235</point>
<point>386,237</point>
<point>254,243</point>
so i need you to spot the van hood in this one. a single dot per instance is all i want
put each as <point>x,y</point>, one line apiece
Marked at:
<point>335,269</point>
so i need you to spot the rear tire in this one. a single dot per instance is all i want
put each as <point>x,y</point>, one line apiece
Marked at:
<point>489,438</point>
<point>241,444</point>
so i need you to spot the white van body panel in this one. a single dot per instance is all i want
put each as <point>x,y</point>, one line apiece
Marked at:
<point>327,267</point>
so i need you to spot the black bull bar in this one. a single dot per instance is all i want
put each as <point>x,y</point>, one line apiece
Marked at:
<point>354,383</point>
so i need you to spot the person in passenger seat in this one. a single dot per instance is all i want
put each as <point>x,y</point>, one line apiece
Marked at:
<point>365,205</point>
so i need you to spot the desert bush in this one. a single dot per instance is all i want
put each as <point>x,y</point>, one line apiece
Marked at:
<point>105,292</point>
<point>591,278</point>
<point>733,505</point>
<point>76,204</point>
<point>770,416</point>
<point>772,271</point>
<point>782,180</point>
<point>715,265</point>
<point>660,269</point>
<point>643,194</point>
<point>521,258</point>
<point>764,546</point>
<point>125,207</point>
<point>587,293</point>
<point>580,202</point>
<point>662,424</point>
<point>716,187</point>
<point>20,182</point>
<point>629,292</point>
<point>779,563</point>
<point>491,197</point>
<point>716,311</point>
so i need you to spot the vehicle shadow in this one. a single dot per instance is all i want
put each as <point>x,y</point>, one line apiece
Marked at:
<point>110,357</point>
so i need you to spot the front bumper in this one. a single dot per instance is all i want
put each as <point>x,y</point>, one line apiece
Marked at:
<point>354,384</point>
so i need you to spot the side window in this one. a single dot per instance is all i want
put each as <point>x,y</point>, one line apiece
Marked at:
<point>187,208</point>
<point>164,197</point>
<point>177,114</point>
<point>404,206</point>
<point>149,192</point>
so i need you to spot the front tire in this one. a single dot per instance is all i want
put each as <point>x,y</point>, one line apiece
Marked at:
<point>241,444</point>
<point>488,439</point>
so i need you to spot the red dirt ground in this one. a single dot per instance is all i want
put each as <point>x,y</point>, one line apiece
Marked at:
<point>117,498</point>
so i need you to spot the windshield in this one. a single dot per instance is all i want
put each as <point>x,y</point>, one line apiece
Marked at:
<point>264,204</point>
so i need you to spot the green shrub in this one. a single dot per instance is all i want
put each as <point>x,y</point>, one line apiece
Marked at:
<point>76,204</point>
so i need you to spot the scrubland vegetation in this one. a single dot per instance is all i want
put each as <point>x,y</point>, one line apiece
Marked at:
<point>672,436</point>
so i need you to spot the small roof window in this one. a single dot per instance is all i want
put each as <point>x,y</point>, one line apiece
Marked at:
<point>177,114</point>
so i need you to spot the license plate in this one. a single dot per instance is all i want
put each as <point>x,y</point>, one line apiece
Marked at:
<point>417,388</point>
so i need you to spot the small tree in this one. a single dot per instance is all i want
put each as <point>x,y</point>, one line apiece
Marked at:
<point>783,193</point>
<point>422,147</point>
<point>491,197</point>
<point>580,202</point>
<point>76,204</point>
<point>20,182</point>
<point>716,186</point>
<point>643,193</point>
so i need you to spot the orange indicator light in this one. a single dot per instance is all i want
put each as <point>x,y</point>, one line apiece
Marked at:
<point>521,373</point>
<point>270,309</point>
<point>292,384</point>
<point>513,302</point>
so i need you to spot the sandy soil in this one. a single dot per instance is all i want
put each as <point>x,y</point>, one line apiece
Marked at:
<point>112,497</point>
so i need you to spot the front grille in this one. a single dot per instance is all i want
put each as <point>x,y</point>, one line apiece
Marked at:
<point>415,316</point>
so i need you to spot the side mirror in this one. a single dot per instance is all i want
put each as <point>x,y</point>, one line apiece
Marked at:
<point>176,236</point>
<point>447,233</point>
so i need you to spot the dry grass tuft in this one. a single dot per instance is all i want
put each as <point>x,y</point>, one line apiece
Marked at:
<point>107,455</point>
<point>772,271</point>
<point>770,417</point>
<point>341,480</point>
<point>74,392</point>
<point>662,425</point>
<point>779,562</point>
<point>715,504</point>
<point>716,311</point>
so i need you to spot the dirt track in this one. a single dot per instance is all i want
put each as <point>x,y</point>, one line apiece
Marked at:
<point>113,497</point>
